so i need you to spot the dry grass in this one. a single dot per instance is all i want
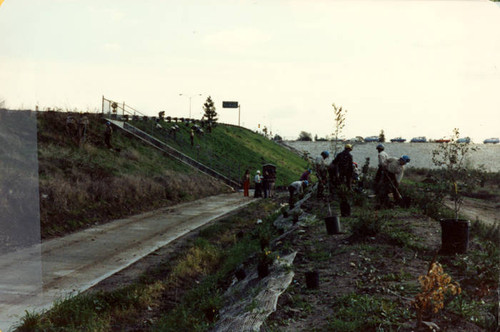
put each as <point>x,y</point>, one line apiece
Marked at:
<point>197,261</point>
<point>84,184</point>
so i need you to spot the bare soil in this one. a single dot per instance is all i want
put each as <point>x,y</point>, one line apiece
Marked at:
<point>478,209</point>
<point>374,266</point>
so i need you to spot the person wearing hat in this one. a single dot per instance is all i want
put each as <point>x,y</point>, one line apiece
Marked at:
<point>258,184</point>
<point>391,179</point>
<point>344,166</point>
<point>382,165</point>
<point>321,171</point>
<point>296,188</point>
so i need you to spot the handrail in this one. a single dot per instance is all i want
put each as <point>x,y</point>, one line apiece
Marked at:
<point>126,109</point>
<point>177,154</point>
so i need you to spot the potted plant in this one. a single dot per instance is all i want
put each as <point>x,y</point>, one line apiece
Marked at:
<point>284,211</point>
<point>295,216</point>
<point>312,279</point>
<point>344,193</point>
<point>455,177</point>
<point>265,259</point>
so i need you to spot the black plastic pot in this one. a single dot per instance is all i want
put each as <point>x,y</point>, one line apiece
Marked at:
<point>332,225</point>
<point>263,270</point>
<point>454,236</point>
<point>240,274</point>
<point>345,209</point>
<point>312,279</point>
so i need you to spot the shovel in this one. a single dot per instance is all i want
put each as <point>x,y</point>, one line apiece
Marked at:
<point>405,202</point>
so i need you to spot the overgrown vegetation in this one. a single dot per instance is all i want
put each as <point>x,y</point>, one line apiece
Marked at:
<point>83,183</point>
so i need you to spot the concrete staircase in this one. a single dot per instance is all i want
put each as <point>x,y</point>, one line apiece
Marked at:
<point>170,151</point>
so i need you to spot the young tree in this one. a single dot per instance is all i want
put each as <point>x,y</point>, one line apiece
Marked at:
<point>304,136</point>
<point>339,114</point>
<point>381,137</point>
<point>210,113</point>
<point>456,176</point>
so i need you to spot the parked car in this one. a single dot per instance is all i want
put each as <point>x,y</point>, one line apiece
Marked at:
<point>371,139</point>
<point>493,140</point>
<point>398,140</point>
<point>420,139</point>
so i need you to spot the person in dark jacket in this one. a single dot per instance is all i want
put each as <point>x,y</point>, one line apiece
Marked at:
<point>108,132</point>
<point>344,165</point>
<point>305,175</point>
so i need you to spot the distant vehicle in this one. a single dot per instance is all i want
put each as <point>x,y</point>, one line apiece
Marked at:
<point>463,140</point>
<point>420,139</point>
<point>442,140</point>
<point>371,139</point>
<point>493,140</point>
<point>357,139</point>
<point>398,140</point>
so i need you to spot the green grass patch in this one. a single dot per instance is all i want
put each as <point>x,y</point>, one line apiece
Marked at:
<point>355,312</point>
<point>231,150</point>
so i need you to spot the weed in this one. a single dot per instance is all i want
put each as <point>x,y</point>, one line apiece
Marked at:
<point>475,311</point>
<point>354,312</point>
<point>367,224</point>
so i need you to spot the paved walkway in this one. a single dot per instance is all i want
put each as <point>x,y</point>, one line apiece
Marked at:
<point>33,278</point>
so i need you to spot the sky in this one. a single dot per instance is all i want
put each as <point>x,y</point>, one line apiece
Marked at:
<point>410,68</point>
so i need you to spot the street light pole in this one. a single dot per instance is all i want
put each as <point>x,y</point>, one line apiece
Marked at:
<point>190,97</point>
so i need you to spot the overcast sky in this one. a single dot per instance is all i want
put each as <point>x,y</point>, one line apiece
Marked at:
<point>411,68</point>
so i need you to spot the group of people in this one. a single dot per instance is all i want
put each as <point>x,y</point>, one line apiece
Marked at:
<point>76,129</point>
<point>344,171</point>
<point>263,184</point>
<point>341,171</point>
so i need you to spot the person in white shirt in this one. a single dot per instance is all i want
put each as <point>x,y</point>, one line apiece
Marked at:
<point>321,171</point>
<point>258,184</point>
<point>391,179</point>
<point>296,188</point>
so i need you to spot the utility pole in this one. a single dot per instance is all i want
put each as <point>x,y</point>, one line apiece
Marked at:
<point>190,97</point>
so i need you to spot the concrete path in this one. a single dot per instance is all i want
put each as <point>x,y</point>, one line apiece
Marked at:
<point>33,278</point>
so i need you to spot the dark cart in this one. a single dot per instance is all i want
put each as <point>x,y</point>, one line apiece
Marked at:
<point>269,179</point>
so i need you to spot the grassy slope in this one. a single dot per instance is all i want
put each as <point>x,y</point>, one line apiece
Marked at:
<point>231,150</point>
<point>89,184</point>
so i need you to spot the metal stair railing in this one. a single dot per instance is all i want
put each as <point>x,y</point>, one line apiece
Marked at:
<point>174,153</point>
<point>230,168</point>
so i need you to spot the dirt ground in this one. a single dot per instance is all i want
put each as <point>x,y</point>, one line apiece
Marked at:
<point>375,266</point>
<point>476,209</point>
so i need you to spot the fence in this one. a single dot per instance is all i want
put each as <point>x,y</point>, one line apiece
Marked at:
<point>113,109</point>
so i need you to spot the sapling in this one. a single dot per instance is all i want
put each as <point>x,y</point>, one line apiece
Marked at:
<point>451,157</point>
<point>339,114</point>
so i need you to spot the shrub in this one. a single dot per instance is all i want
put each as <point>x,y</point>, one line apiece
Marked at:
<point>367,224</point>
